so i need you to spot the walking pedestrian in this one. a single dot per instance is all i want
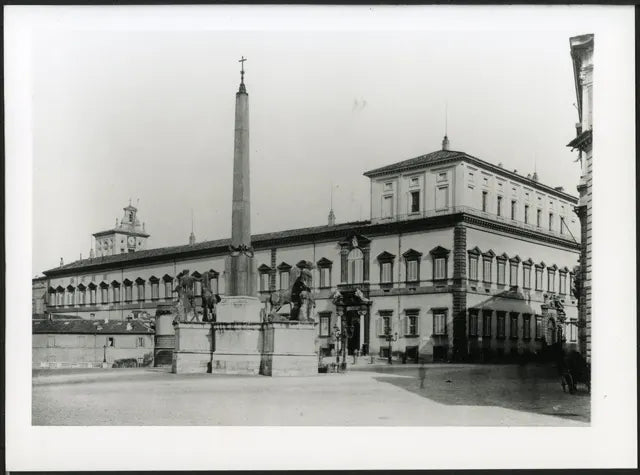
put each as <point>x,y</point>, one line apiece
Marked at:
<point>422,373</point>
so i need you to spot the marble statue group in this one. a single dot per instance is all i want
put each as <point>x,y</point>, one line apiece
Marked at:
<point>186,306</point>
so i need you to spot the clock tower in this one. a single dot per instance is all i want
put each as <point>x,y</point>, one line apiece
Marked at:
<point>126,236</point>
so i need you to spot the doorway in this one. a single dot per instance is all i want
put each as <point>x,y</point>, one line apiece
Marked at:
<point>353,343</point>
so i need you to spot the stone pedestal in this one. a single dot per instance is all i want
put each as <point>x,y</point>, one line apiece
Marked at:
<point>239,309</point>
<point>194,345</point>
<point>237,347</point>
<point>289,349</point>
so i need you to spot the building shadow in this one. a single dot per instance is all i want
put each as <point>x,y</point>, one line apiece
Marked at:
<point>532,388</point>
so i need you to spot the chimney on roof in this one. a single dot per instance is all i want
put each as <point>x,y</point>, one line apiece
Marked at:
<point>91,254</point>
<point>515,171</point>
<point>445,143</point>
<point>500,164</point>
<point>534,177</point>
<point>80,256</point>
<point>61,262</point>
<point>529,176</point>
<point>559,188</point>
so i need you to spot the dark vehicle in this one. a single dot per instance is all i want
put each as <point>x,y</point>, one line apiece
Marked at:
<point>574,370</point>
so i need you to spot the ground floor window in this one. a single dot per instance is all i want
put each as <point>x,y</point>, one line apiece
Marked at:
<point>500,331</point>
<point>140,342</point>
<point>439,322</point>
<point>110,341</point>
<point>526,326</point>
<point>486,323</point>
<point>473,323</point>
<point>513,330</point>
<point>324,325</point>
<point>538,327</point>
<point>573,330</point>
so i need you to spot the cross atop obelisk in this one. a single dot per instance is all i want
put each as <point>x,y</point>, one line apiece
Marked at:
<point>241,61</point>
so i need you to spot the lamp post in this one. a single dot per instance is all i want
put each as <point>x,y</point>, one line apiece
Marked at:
<point>390,338</point>
<point>341,335</point>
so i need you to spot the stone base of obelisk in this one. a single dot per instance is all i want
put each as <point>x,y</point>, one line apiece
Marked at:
<point>193,347</point>
<point>238,348</point>
<point>289,349</point>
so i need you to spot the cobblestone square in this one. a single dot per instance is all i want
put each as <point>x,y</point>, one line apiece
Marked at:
<point>368,395</point>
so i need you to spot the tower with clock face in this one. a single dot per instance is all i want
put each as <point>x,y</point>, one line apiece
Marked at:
<point>127,236</point>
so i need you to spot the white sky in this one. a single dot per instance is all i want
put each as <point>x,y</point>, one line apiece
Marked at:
<point>149,115</point>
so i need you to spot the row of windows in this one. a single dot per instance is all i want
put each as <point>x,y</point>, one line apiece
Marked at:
<point>514,326</point>
<point>514,265</point>
<point>111,293</point>
<point>514,210</point>
<point>110,341</point>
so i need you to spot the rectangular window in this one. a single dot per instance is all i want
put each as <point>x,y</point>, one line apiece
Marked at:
<point>573,330</point>
<point>551,280</point>
<point>412,321</point>
<point>550,221</point>
<point>526,214</point>
<point>140,292</point>
<point>486,323</point>
<point>513,209</point>
<point>439,268</point>
<point>442,197</point>
<point>264,281</point>
<point>513,274</point>
<point>563,283</point>
<point>81,296</point>
<point>387,207</point>
<point>116,294</point>
<point>473,323</point>
<point>69,297</point>
<point>499,206</point>
<point>128,291</point>
<point>385,277</point>
<point>538,327</point>
<point>155,290</point>
<point>92,296</point>
<point>501,321</point>
<point>140,342</point>
<point>473,267</point>
<point>526,277</point>
<point>526,326</point>
<point>412,271</point>
<point>539,217</point>
<point>324,325</point>
<point>415,201</point>
<point>571,284</point>
<point>501,272</point>
<point>439,323</point>
<point>513,327</point>
<point>325,277</point>
<point>384,323</point>
<point>484,201</point>
<point>486,270</point>
<point>538,279</point>
<point>110,341</point>
<point>284,280</point>
<point>168,291</point>
<point>104,295</point>
<point>197,288</point>
<point>562,224</point>
<point>214,284</point>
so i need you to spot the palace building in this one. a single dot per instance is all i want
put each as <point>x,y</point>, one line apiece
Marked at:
<point>460,259</point>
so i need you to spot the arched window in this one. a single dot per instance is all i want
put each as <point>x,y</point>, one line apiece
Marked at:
<point>355,261</point>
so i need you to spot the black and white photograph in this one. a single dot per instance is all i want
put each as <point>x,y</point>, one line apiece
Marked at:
<point>340,232</point>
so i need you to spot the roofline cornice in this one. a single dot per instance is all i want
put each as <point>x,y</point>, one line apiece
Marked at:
<point>463,157</point>
<point>366,228</point>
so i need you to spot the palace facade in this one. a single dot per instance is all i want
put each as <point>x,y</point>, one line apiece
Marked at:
<point>460,259</point>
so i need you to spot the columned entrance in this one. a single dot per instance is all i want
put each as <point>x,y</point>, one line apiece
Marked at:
<point>354,321</point>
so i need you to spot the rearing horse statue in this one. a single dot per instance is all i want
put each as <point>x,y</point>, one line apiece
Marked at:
<point>209,299</point>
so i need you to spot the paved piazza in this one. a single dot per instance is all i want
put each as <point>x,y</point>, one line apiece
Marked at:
<point>365,396</point>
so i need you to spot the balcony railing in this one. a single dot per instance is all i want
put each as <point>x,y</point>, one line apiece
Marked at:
<point>472,211</point>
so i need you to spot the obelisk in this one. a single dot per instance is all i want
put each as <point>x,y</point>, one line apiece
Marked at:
<point>240,302</point>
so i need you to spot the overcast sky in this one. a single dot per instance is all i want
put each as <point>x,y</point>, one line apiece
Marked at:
<point>148,115</point>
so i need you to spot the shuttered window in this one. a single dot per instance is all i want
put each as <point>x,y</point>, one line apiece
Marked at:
<point>439,323</point>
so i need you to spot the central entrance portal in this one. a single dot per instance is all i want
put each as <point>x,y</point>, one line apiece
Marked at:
<point>353,343</point>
